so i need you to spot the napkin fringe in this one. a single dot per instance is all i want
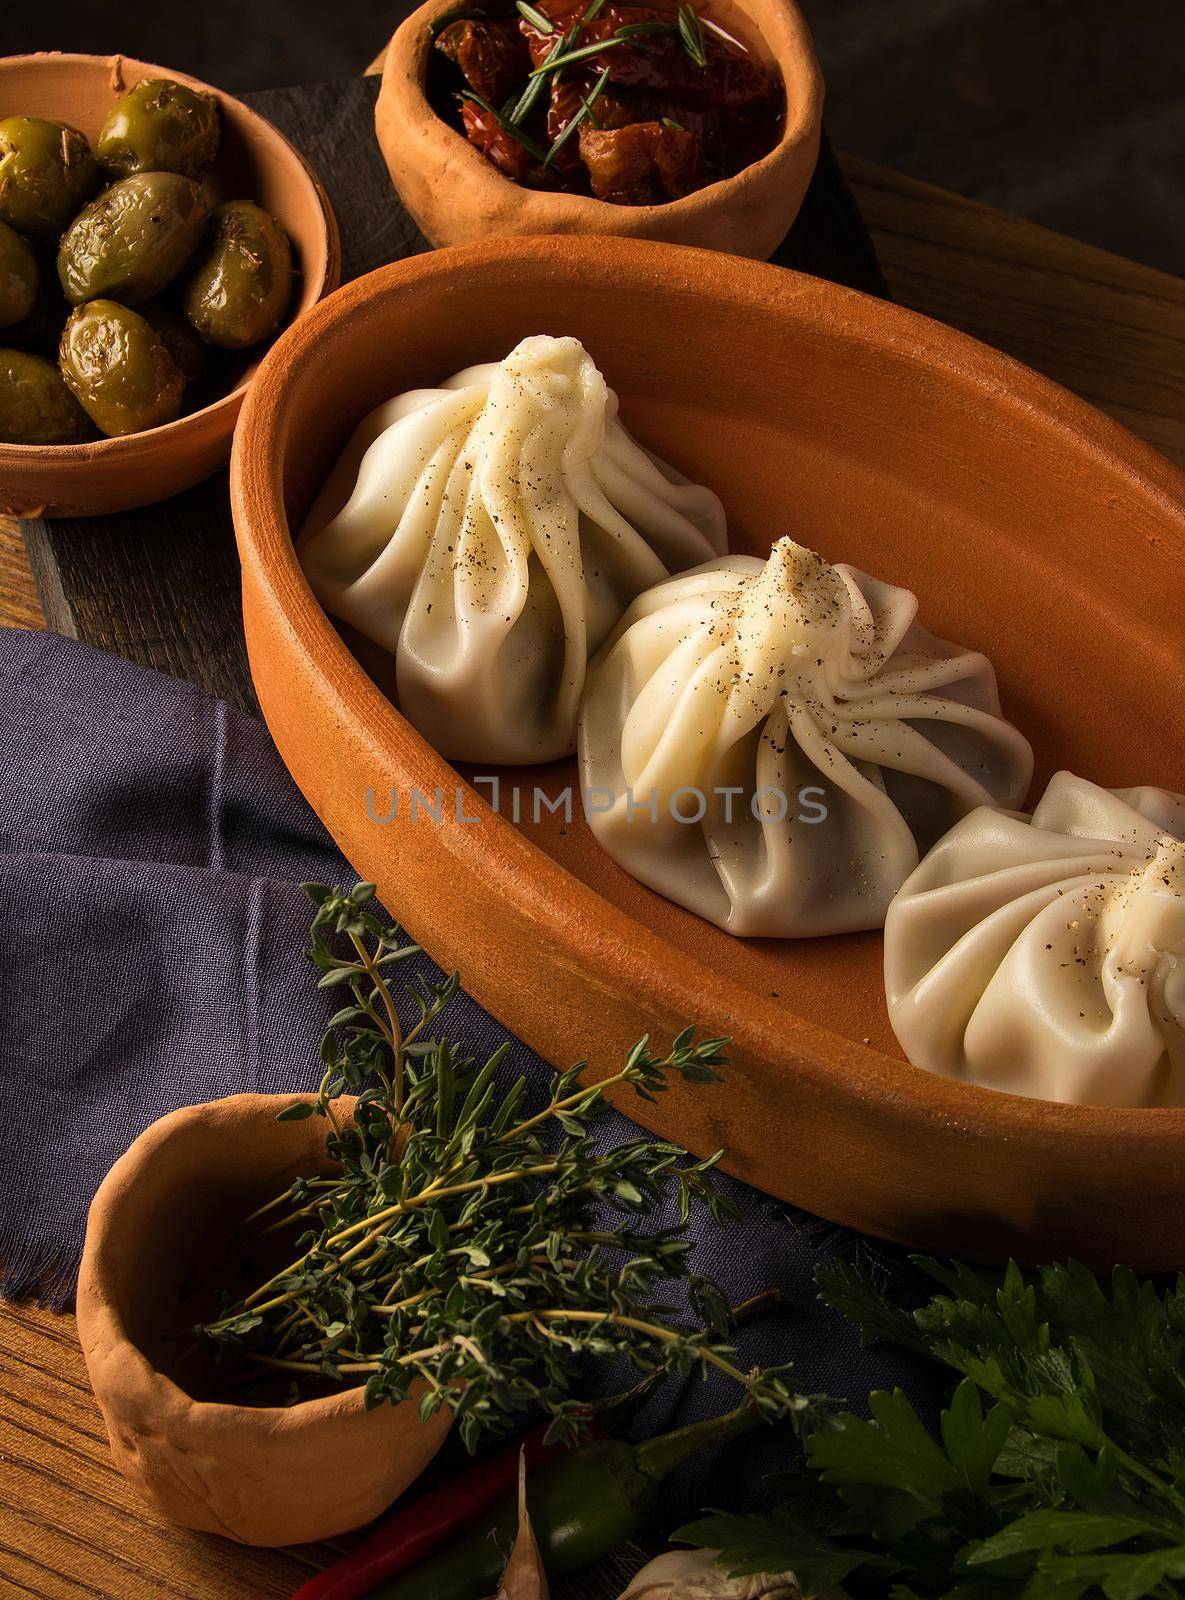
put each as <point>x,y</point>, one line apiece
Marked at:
<point>38,1270</point>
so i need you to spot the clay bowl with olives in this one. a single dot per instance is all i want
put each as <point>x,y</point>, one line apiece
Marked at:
<point>155,236</point>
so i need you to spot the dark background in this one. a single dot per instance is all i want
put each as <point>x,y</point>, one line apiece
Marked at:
<point>1070,112</point>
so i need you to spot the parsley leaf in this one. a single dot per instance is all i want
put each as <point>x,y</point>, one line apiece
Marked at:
<point>1058,1472</point>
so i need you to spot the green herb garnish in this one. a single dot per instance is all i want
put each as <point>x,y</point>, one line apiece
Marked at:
<point>508,124</point>
<point>435,29</point>
<point>691,32</point>
<point>623,35</point>
<point>1059,1470</point>
<point>461,1248</point>
<point>574,122</point>
<point>538,21</point>
<point>536,84</point>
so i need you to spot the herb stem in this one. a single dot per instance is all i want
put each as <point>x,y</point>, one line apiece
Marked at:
<point>434,1191</point>
<point>535,84</point>
<point>578,117</point>
<point>556,62</point>
<point>556,1314</point>
<point>592,1091</point>
<point>392,1033</point>
<point>1152,1479</point>
<point>328,1104</point>
<point>262,1211</point>
<point>509,124</point>
<point>652,1330</point>
<point>440,1191</point>
<point>538,21</point>
<point>437,1190</point>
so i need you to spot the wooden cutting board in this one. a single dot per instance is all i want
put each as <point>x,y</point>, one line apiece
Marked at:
<point>160,586</point>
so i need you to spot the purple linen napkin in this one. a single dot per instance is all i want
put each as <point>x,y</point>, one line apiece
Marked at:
<point>153,931</point>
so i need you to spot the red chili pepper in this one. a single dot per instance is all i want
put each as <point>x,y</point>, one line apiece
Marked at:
<point>419,1529</point>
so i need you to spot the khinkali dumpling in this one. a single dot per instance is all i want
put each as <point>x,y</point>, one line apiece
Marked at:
<point>489,534</point>
<point>1047,956</point>
<point>767,743</point>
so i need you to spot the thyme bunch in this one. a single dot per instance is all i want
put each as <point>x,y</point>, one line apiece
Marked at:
<point>465,1246</point>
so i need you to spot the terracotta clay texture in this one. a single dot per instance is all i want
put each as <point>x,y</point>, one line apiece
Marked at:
<point>457,196</point>
<point>1030,527</point>
<point>254,162</point>
<point>154,1255</point>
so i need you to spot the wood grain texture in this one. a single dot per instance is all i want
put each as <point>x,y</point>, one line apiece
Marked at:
<point>70,1526</point>
<point>1108,328</point>
<point>19,605</point>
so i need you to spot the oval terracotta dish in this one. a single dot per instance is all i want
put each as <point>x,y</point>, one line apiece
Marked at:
<point>265,1475</point>
<point>456,195</point>
<point>254,162</point>
<point>1029,525</point>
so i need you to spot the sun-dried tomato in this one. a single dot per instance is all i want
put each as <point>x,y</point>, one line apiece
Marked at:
<point>492,55</point>
<point>643,164</point>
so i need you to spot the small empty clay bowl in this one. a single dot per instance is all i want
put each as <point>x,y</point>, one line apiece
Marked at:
<point>255,162</point>
<point>457,196</point>
<point>155,1254</point>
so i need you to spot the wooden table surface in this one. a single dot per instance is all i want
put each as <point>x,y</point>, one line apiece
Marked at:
<point>1107,328</point>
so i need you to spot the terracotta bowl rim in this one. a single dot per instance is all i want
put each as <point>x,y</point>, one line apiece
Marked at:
<point>269,136</point>
<point>101,1309</point>
<point>835,1065</point>
<point>407,53</point>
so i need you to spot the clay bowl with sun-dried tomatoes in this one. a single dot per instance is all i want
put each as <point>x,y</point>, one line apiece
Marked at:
<point>694,125</point>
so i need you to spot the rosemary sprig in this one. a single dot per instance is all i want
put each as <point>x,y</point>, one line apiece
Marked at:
<point>470,1248</point>
<point>578,117</point>
<point>623,35</point>
<point>461,14</point>
<point>691,33</point>
<point>565,43</point>
<point>538,21</point>
<point>509,124</point>
<point>535,84</point>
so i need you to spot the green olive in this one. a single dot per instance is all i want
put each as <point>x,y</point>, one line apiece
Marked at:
<point>240,286</point>
<point>190,353</point>
<point>35,405</point>
<point>119,369</point>
<point>161,126</point>
<point>46,172</point>
<point>133,240</point>
<point>18,277</point>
